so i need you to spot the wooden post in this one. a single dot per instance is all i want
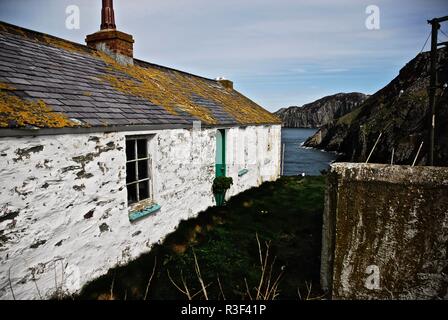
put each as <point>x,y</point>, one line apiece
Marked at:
<point>432,89</point>
<point>374,146</point>
<point>435,26</point>
<point>418,152</point>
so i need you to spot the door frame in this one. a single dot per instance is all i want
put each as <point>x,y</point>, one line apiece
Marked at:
<point>220,164</point>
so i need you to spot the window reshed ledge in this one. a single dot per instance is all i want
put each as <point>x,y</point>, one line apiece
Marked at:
<point>136,215</point>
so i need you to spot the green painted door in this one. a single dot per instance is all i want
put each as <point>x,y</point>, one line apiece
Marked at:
<point>220,161</point>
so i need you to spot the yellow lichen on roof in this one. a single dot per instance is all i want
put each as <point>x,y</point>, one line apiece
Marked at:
<point>158,87</point>
<point>174,90</point>
<point>49,40</point>
<point>6,86</point>
<point>13,30</point>
<point>62,44</point>
<point>15,112</point>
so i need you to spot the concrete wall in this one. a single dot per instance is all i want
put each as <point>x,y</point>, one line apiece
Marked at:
<point>63,202</point>
<point>385,232</point>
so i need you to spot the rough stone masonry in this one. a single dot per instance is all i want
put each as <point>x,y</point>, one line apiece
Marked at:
<point>385,233</point>
<point>63,203</point>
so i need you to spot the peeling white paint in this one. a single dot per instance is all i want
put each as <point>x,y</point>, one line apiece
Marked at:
<point>63,201</point>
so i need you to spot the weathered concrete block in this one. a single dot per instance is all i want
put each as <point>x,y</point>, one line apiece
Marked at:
<point>385,233</point>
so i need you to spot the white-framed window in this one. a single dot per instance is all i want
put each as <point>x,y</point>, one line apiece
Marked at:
<point>138,169</point>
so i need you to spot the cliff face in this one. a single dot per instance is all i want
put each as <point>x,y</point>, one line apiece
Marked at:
<point>400,113</point>
<point>320,112</point>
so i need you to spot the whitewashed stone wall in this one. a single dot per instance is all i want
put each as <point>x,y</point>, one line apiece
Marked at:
<point>63,205</point>
<point>256,149</point>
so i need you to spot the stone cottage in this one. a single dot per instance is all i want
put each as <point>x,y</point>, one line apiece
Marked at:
<point>102,155</point>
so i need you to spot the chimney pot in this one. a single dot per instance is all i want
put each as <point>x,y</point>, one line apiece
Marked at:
<point>117,44</point>
<point>107,15</point>
<point>225,83</point>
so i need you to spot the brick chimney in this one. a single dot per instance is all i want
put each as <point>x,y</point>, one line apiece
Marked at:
<point>117,44</point>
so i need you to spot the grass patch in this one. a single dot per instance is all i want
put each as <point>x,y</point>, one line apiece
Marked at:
<point>288,213</point>
<point>350,117</point>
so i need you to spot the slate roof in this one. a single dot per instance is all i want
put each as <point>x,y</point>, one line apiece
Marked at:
<point>76,82</point>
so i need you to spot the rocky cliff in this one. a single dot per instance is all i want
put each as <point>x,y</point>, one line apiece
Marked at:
<point>399,113</point>
<point>320,112</point>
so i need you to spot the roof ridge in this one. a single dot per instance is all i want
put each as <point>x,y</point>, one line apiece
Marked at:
<point>43,34</point>
<point>173,69</point>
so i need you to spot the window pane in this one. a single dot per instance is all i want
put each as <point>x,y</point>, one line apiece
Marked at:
<point>144,190</point>
<point>130,172</point>
<point>142,148</point>
<point>132,193</point>
<point>142,169</point>
<point>130,150</point>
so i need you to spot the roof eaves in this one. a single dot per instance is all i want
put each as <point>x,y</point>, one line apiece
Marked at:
<point>21,132</point>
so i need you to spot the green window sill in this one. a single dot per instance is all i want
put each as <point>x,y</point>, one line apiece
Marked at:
<point>133,216</point>
<point>242,172</point>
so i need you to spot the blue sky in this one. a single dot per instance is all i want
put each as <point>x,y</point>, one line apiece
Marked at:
<point>277,52</point>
